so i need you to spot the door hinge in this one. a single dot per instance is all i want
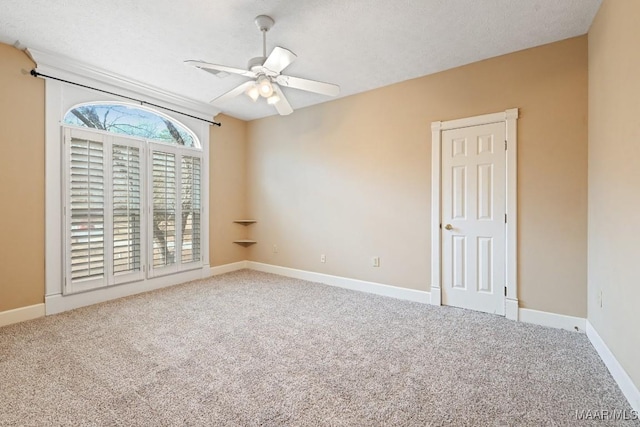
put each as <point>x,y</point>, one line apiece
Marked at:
<point>505,291</point>
<point>505,144</point>
<point>505,218</point>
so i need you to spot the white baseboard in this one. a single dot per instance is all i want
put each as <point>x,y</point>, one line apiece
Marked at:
<point>618,373</point>
<point>21,314</point>
<point>344,282</point>
<point>228,268</point>
<point>552,320</point>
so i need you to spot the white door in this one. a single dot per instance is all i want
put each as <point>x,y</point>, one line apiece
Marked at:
<point>473,217</point>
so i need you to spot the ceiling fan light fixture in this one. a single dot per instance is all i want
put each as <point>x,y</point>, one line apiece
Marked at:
<point>253,92</point>
<point>273,99</point>
<point>265,87</point>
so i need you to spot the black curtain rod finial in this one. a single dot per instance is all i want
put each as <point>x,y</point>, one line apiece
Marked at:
<point>34,73</point>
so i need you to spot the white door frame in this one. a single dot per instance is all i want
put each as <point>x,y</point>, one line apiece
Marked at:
<point>509,117</point>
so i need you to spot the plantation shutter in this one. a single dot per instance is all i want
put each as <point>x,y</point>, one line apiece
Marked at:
<point>126,211</point>
<point>86,206</point>
<point>132,209</point>
<point>163,219</point>
<point>191,209</point>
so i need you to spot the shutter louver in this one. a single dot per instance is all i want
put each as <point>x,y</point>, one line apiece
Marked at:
<point>164,209</point>
<point>191,208</point>
<point>126,186</point>
<point>86,203</point>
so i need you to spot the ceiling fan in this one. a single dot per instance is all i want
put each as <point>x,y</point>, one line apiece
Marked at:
<point>264,72</point>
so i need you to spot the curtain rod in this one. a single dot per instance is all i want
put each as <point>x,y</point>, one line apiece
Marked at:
<point>34,73</point>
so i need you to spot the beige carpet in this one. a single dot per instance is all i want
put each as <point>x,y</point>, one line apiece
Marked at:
<point>249,348</point>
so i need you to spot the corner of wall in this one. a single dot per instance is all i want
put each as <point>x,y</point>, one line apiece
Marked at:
<point>228,190</point>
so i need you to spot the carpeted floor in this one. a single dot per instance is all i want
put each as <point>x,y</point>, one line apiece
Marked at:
<point>250,348</point>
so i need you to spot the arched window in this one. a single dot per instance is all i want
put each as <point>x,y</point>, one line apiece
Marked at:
<point>125,119</point>
<point>133,196</point>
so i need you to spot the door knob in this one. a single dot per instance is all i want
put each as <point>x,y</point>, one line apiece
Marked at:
<point>448,227</point>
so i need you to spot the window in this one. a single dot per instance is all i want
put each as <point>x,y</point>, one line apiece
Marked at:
<point>133,196</point>
<point>125,119</point>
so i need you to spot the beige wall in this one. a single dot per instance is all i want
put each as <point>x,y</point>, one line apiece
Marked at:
<point>21,182</point>
<point>614,180</point>
<point>351,178</point>
<point>227,159</point>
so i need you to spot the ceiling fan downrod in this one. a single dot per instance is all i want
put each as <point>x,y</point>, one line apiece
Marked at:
<point>264,24</point>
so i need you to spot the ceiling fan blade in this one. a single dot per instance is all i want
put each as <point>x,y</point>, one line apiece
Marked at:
<point>279,59</point>
<point>283,107</point>
<point>309,85</point>
<point>233,92</point>
<point>208,66</point>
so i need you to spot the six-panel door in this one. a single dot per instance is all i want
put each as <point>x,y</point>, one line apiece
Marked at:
<point>473,217</point>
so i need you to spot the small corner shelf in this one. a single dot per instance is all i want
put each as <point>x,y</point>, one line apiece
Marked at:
<point>245,242</point>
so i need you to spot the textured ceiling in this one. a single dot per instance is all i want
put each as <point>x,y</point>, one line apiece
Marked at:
<point>357,44</point>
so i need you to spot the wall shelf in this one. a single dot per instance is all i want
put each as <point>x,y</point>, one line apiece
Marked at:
<point>245,242</point>
<point>245,221</point>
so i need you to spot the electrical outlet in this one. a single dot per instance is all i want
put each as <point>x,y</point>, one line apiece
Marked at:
<point>375,261</point>
<point>323,258</point>
<point>275,249</point>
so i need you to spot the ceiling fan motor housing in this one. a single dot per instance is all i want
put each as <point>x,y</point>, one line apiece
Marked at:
<point>255,63</point>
